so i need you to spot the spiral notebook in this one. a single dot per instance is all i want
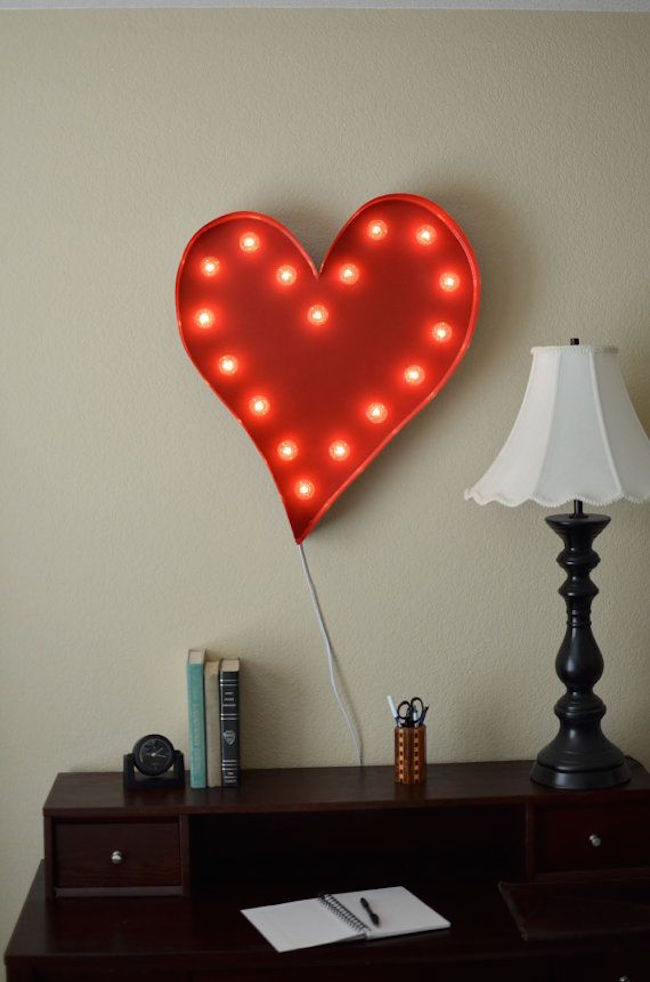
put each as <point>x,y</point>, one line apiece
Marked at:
<point>335,917</point>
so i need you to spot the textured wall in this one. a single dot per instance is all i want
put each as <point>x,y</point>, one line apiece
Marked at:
<point>138,520</point>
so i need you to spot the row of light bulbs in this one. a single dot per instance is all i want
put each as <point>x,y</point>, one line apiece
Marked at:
<point>338,450</point>
<point>318,314</point>
<point>348,273</point>
<point>376,412</point>
<point>376,230</point>
<point>413,375</point>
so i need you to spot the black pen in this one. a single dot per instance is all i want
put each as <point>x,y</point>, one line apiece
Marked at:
<point>371,914</point>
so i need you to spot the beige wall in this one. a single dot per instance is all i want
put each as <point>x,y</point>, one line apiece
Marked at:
<point>138,520</point>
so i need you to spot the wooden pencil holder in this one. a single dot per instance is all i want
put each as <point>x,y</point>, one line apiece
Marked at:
<point>410,754</point>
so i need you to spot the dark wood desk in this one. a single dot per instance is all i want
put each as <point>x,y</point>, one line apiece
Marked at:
<point>149,886</point>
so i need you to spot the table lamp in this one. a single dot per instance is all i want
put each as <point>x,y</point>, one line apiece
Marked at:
<point>576,437</point>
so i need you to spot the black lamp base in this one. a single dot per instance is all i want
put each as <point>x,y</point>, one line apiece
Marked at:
<point>550,777</point>
<point>580,758</point>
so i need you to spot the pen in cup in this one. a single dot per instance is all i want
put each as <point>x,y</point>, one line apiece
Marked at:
<point>393,708</point>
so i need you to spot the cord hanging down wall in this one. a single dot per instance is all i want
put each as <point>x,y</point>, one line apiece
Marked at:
<point>324,367</point>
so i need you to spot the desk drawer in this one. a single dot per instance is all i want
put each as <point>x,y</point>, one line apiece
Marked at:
<point>116,857</point>
<point>587,838</point>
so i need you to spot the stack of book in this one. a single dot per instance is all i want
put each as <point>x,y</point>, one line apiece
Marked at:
<point>213,715</point>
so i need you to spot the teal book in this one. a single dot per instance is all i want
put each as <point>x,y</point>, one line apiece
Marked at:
<point>196,717</point>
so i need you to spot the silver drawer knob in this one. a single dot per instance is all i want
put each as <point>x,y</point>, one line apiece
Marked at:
<point>116,857</point>
<point>596,841</point>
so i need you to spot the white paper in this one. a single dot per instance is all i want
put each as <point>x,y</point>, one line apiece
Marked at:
<point>298,924</point>
<point>308,923</point>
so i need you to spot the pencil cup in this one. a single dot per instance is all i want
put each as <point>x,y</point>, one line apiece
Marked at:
<point>410,754</point>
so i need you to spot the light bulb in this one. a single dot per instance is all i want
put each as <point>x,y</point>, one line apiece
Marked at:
<point>210,266</point>
<point>204,318</point>
<point>414,374</point>
<point>304,489</point>
<point>377,230</point>
<point>287,450</point>
<point>286,275</point>
<point>449,282</point>
<point>317,314</point>
<point>259,405</point>
<point>425,235</point>
<point>228,365</point>
<point>441,331</point>
<point>349,273</point>
<point>249,242</point>
<point>339,450</point>
<point>376,412</point>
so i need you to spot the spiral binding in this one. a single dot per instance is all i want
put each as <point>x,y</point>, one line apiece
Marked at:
<point>342,912</point>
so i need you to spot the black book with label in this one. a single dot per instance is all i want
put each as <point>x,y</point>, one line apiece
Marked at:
<point>229,701</point>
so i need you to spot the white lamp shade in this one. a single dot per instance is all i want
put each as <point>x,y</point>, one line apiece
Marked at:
<point>576,436</point>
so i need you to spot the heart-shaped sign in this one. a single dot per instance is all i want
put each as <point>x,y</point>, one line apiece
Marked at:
<point>323,369</point>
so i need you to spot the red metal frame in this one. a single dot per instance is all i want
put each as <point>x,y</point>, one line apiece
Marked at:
<point>317,348</point>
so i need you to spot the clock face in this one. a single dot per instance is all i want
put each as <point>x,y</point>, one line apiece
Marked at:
<point>153,754</point>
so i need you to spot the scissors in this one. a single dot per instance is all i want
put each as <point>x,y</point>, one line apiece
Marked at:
<point>411,712</point>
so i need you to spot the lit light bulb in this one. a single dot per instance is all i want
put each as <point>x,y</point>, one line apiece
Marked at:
<point>204,318</point>
<point>287,450</point>
<point>449,282</point>
<point>376,412</point>
<point>228,365</point>
<point>249,242</point>
<point>414,374</point>
<point>425,235</point>
<point>349,273</point>
<point>210,266</point>
<point>286,275</point>
<point>305,489</point>
<point>259,405</point>
<point>317,314</point>
<point>377,230</point>
<point>441,331</point>
<point>339,450</point>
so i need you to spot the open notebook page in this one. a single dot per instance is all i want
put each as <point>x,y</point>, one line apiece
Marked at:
<point>398,910</point>
<point>308,923</point>
<point>299,924</point>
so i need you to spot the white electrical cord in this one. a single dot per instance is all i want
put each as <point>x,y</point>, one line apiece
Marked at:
<point>331,660</point>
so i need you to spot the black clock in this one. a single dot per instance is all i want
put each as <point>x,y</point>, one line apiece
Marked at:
<point>153,754</point>
<point>154,763</point>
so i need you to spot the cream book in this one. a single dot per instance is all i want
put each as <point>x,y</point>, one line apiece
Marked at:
<point>212,720</point>
<point>331,918</point>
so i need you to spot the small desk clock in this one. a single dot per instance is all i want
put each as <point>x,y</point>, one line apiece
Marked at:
<point>154,764</point>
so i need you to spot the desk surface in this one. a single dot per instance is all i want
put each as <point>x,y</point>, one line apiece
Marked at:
<point>210,930</point>
<point>319,789</point>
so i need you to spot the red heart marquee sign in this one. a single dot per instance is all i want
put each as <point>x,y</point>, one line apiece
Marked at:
<point>323,368</point>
